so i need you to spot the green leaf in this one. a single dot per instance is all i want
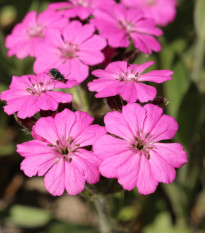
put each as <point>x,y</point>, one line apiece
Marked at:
<point>7,149</point>
<point>189,117</point>
<point>199,18</point>
<point>127,213</point>
<point>170,51</point>
<point>176,88</point>
<point>167,57</point>
<point>26,216</point>
<point>163,224</point>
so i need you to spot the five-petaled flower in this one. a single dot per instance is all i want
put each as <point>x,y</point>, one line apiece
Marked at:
<point>59,152</point>
<point>133,152</point>
<point>120,24</point>
<point>29,94</point>
<point>71,51</point>
<point>120,78</point>
<point>28,34</point>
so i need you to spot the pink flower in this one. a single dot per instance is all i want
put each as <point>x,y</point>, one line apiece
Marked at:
<point>120,24</point>
<point>27,35</point>
<point>80,8</point>
<point>161,11</point>
<point>71,51</point>
<point>134,154</point>
<point>29,94</point>
<point>61,155</point>
<point>120,78</point>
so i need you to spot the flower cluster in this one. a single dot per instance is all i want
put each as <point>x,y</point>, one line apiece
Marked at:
<point>68,41</point>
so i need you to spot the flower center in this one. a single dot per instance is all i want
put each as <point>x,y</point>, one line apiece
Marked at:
<point>126,25</point>
<point>66,148</point>
<point>36,88</point>
<point>137,145</point>
<point>129,76</point>
<point>142,144</point>
<point>151,2</point>
<point>36,31</point>
<point>69,51</point>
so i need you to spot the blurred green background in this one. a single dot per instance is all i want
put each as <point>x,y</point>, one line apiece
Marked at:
<point>25,205</point>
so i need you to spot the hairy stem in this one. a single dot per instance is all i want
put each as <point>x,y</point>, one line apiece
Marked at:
<point>101,207</point>
<point>104,219</point>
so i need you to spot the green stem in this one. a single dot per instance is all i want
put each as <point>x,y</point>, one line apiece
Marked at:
<point>80,97</point>
<point>198,67</point>
<point>101,206</point>
<point>104,219</point>
<point>79,94</point>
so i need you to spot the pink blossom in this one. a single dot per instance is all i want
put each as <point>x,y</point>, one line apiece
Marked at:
<point>120,24</point>
<point>80,8</point>
<point>71,51</point>
<point>120,78</point>
<point>61,155</point>
<point>161,11</point>
<point>29,94</point>
<point>27,35</point>
<point>135,155</point>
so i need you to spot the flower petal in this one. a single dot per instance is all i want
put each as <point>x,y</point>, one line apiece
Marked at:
<point>88,162</point>
<point>64,121</point>
<point>116,124</point>
<point>145,182</point>
<point>140,68</point>
<point>26,110</point>
<point>107,146</point>
<point>46,102</point>
<point>45,127</point>
<point>145,92</point>
<point>128,92</point>
<point>94,43</point>
<point>131,171</point>
<point>157,76</point>
<point>116,164</point>
<point>76,33</point>
<point>135,116</point>
<point>83,120</point>
<point>153,115</point>
<point>173,153</point>
<point>91,57</point>
<point>99,85</point>
<point>38,157</point>
<point>90,135</point>
<point>165,129</point>
<point>55,178</point>
<point>161,170</point>
<point>74,180</point>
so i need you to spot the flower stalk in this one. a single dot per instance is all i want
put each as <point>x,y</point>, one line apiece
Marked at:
<point>104,219</point>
